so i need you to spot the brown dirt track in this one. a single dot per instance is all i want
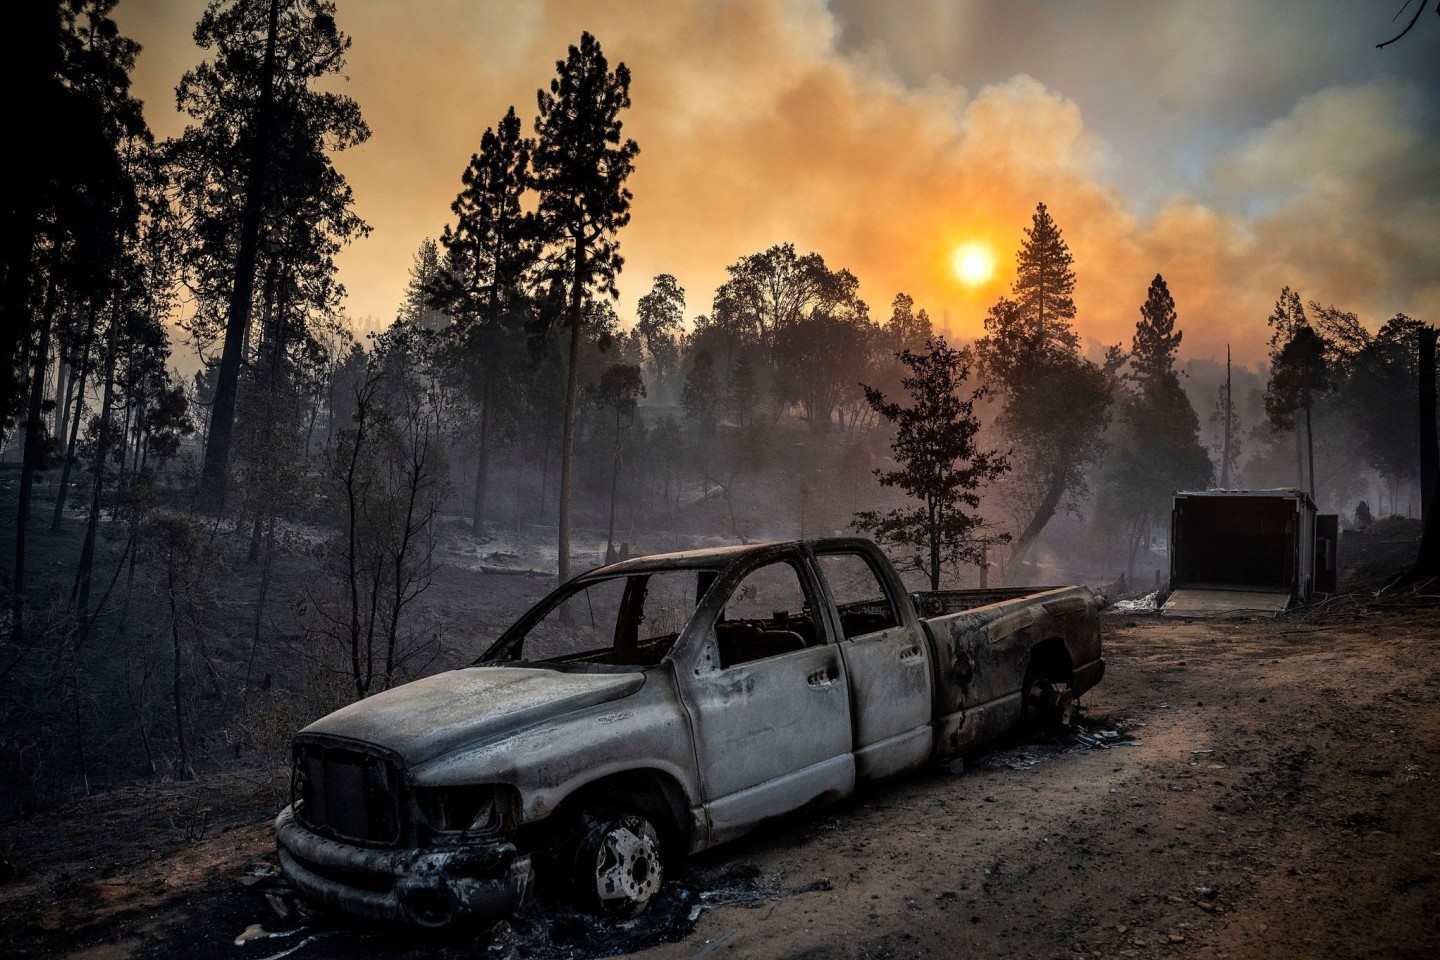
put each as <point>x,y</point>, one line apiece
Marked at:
<point>1280,803</point>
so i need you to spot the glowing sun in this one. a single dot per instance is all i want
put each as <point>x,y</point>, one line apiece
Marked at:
<point>973,264</point>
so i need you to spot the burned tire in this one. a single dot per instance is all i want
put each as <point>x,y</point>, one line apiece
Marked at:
<point>618,869</point>
<point>1046,703</point>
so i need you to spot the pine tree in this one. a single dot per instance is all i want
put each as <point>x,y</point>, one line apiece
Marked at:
<point>488,253</point>
<point>1045,282</point>
<point>581,165</point>
<point>1299,372</point>
<point>417,309</point>
<point>1056,403</point>
<point>1152,353</point>
<point>701,394</point>
<point>1158,449</point>
<point>940,464</point>
<point>257,161</point>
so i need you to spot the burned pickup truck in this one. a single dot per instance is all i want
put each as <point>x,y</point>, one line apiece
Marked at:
<point>657,707</point>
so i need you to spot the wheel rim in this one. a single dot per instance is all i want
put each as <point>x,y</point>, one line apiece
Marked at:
<point>627,865</point>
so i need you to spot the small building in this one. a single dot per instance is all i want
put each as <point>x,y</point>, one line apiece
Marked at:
<point>1248,552</point>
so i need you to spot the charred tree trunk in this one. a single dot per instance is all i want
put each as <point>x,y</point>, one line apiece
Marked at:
<point>222,414</point>
<point>1427,561</point>
<point>177,685</point>
<point>572,391</point>
<point>482,460</point>
<point>934,544</point>
<point>614,483</point>
<point>266,566</point>
<point>30,460</point>
<point>544,473</point>
<point>102,452</point>
<point>1046,510</point>
<point>64,384</point>
<point>69,453</point>
<point>1229,419</point>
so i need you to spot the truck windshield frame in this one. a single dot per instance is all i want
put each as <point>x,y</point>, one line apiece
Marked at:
<point>600,600</point>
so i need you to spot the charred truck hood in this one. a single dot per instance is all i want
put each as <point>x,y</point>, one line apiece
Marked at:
<point>429,718</point>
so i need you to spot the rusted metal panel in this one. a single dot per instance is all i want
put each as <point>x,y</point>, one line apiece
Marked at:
<point>981,658</point>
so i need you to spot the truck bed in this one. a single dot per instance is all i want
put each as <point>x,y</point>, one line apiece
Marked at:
<point>986,641</point>
<point>940,603</point>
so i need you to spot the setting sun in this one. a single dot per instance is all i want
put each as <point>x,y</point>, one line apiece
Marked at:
<point>973,264</point>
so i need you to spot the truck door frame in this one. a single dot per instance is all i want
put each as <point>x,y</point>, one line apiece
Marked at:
<point>890,672</point>
<point>773,734</point>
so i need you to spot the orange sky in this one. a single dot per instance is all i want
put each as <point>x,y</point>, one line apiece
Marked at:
<point>760,121</point>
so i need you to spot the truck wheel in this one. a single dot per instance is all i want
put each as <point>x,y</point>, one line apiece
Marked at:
<point>617,867</point>
<point>1047,704</point>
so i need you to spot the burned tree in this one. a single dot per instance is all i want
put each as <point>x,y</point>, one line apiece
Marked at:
<point>385,474</point>
<point>480,283</point>
<point>1157,450</point>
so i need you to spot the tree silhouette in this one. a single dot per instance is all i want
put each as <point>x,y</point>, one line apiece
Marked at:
<point>1055,402</point>
<point>619,391</point>
<point>488,253</point>
<point>1158,449</point>
<point>659,315</point>
<point>581,165</point>
<point>1045,282</point>
<point>254,167</point>
<point>1298,373</point>
<point>940,464</point>
<point>70,209</point>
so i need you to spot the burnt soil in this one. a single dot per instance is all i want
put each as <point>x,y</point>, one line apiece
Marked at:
<point>1269,790</point>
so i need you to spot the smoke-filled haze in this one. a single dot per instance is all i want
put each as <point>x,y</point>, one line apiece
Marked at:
<point>1234,147</point>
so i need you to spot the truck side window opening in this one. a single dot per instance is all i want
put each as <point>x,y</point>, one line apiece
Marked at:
<point>622,621</point>
<point>865,606</point>
<point>768,614</point>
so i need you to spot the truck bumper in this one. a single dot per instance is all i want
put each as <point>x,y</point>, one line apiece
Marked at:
<point>431,889</point>
<point>1087,675</point>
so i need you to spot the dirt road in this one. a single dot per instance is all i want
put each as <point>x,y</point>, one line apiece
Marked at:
<point>1276,798</point>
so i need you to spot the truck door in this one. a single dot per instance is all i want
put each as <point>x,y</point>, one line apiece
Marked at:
<point>768,696</point>
<point>886,660</point>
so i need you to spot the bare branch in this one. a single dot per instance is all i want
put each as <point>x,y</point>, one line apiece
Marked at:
<point>1418,10</point>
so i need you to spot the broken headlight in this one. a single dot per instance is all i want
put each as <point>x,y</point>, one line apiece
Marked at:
<point>480,811</point>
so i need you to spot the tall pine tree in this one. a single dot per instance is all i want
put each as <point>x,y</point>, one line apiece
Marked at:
<point>1045,283</point>
<point>1055,402</point>
<point>488,253</point>
<point>255,166</point>
<point>1157,450</point>
<point>581,165</point>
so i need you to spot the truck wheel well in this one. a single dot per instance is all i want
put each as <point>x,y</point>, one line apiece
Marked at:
<point>1050,660</point>
<point>651,792</point>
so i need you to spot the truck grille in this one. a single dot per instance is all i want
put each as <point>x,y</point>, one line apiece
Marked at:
<point>347,794</point>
